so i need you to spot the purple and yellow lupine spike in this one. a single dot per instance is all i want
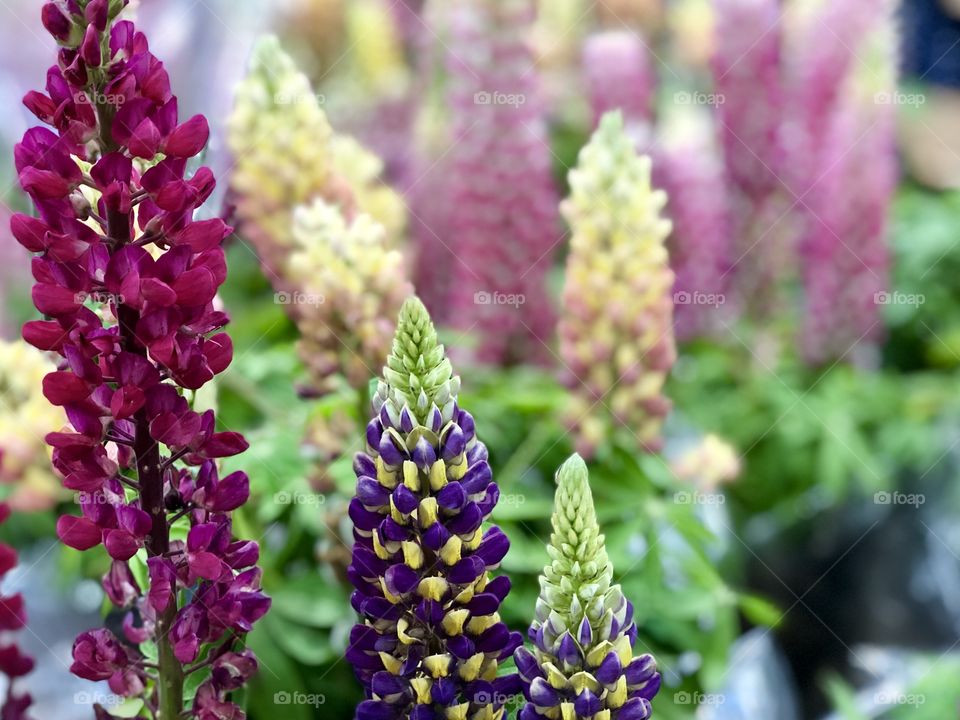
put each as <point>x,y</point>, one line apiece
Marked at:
<point>430,641</point>
<point>582,665</point>
<point>616,332</point>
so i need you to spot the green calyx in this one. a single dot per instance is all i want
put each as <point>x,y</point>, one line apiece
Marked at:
<point>418,375</point>
<point>578,581</point>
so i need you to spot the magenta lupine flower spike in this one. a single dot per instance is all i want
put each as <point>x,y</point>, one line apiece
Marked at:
<point>748,80</point>
<point>582,666</point>
<point>13,662</point>
<point>619,75</point>
<point>127,280</point>
<point>844,247</point>
<point>430,643</point>
<point>503,218</point>
<point>688,168</point>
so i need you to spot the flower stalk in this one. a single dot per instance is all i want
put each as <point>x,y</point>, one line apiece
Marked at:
<point>582,665</point>
<point>127,280</point>
<point>430,641</point>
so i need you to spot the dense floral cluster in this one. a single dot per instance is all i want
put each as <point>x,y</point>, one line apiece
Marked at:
<point>749,95</point>
<point>688,168</point>
<point>582,665</point>
<point>503,223</point>
<point>619,75</point>
<point>13,616</point>
<point>287,155</point>
<point>850,144</point>
<point>431,641</point>
<point>616,332</point>
<point>355,284</point>
<point>128,279</point>
<point>26,418</point>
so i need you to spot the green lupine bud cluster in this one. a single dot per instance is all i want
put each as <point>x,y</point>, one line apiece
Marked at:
<point>582,665</point>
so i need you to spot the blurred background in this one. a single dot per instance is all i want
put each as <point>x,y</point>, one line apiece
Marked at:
<point>773,439</point>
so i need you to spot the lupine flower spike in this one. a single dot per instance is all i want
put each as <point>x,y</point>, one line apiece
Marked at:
<point>287,155</point>
<point>13,662</point>
<point>358,285</point>
<point>503,216</point>
<point>430,642</point>
<point>128,280</point>
<point>582,665</point>
<point>616,332</point>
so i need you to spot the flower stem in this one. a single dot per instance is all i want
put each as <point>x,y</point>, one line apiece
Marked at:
<point>150,476</point>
